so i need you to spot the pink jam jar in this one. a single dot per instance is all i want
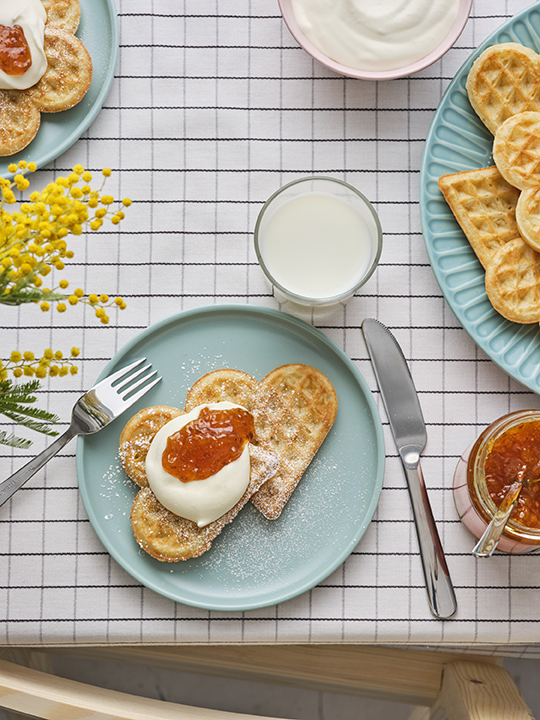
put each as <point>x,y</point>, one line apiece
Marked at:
<point>473,502</point>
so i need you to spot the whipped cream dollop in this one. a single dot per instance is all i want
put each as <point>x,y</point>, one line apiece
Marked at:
<point>201,501</point>
<point>31,16</point>
<point>375,35</point>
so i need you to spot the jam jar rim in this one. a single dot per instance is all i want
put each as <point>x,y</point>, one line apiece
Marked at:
<point>482,501</point>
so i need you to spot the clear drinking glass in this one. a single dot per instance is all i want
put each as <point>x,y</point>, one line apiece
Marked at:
<point>324,191</point>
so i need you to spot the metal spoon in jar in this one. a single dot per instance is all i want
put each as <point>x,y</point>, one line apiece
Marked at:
<point>490,539</point>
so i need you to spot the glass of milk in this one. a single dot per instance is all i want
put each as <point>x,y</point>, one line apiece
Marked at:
<point>318,240</point>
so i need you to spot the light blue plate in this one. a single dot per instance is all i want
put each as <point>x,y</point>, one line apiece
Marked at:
<point>254,562</point>
<point>98,31</point>
<point>458,140</point>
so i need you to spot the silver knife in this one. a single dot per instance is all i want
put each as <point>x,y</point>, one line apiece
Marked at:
<point>409,430</point>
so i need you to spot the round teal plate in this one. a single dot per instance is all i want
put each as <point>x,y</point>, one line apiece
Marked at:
<point>98,30</point>
<point>458,140</point>
<point>254,562</point>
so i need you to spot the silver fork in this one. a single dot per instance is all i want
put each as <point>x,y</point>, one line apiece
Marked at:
<point>93,411</point>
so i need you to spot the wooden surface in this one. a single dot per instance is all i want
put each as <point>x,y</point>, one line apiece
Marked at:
<point>40,695</point>
<point>455,687</point>
<point>474,691</point>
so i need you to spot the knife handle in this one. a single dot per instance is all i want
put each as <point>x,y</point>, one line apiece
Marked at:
<point>441,596</point>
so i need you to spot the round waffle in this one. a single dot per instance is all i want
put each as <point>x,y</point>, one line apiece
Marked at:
<point>513,282</point>
<point>137,436</point>
<point>504,81</point>
<point>68,75</point>
<point>63,13</point>
<point>528,216</point>
<point>516,150</point>
<point>19,121</point>
<point>227,384</point>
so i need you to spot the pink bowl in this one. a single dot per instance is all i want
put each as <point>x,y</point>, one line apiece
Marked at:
<point>455,31</point>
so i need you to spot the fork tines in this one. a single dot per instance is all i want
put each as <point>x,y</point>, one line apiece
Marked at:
<point>123,381</point>
<point>119,374</point>
<point>127,389</point>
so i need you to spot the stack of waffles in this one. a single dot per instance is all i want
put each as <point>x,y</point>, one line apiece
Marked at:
<point>498,208</point>
<point>293,408</point>
<point>64,84</point>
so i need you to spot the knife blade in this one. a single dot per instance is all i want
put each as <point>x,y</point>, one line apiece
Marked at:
<point>406,420</point>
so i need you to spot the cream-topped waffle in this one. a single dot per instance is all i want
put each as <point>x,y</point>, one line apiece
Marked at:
<point>64,83</point>
<point>293,409</point>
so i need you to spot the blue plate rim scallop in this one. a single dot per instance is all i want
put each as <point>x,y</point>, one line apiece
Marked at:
<point>354,538</point>
<point>505,333</point>
<point>42,159</point>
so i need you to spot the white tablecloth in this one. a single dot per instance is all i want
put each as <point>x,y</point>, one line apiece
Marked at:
<point>213,107</point>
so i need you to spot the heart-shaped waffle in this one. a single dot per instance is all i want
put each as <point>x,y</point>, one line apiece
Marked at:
<point>65,14</point>
<point>503,225</point>
<point>513,282</point>
<point>484,205</point>
<point>170,538</point>
<point>504,81</point>
<point>293,409</point>
<point>162,534</point>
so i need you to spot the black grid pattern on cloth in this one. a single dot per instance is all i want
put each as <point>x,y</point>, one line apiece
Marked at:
<point>214,107</point>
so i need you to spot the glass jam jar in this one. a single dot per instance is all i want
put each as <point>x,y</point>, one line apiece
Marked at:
<point>485,471</point>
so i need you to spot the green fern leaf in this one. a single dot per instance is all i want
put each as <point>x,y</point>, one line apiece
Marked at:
<point>29,423</point>
<point>32,412</point>
<point>11,397</point>
<point>14,441</point>
<point>22,393</point>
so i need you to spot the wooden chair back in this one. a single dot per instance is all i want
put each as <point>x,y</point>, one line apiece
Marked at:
<point>441,685</point>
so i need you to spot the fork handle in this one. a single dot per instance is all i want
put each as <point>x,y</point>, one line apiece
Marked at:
<point>18,479</point>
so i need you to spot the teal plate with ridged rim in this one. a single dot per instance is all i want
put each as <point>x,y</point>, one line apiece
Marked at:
<point>458,140</point>
<point>254,562</point>
<point>98,30</point>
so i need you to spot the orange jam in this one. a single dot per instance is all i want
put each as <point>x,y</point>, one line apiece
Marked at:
<point>205,445</point>
<point>514,455</point>
<point>15,56</point>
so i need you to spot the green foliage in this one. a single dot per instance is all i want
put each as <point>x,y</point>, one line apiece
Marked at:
<point>28,295</point>
<point>14,441</point>
<point>15,402</point>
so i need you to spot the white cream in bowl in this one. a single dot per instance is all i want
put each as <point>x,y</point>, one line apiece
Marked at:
<point>375,35</point>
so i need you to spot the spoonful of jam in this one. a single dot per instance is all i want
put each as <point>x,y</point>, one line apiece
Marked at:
<point>492,534</point>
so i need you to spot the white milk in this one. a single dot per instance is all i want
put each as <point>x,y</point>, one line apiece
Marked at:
<point>316,246</point>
